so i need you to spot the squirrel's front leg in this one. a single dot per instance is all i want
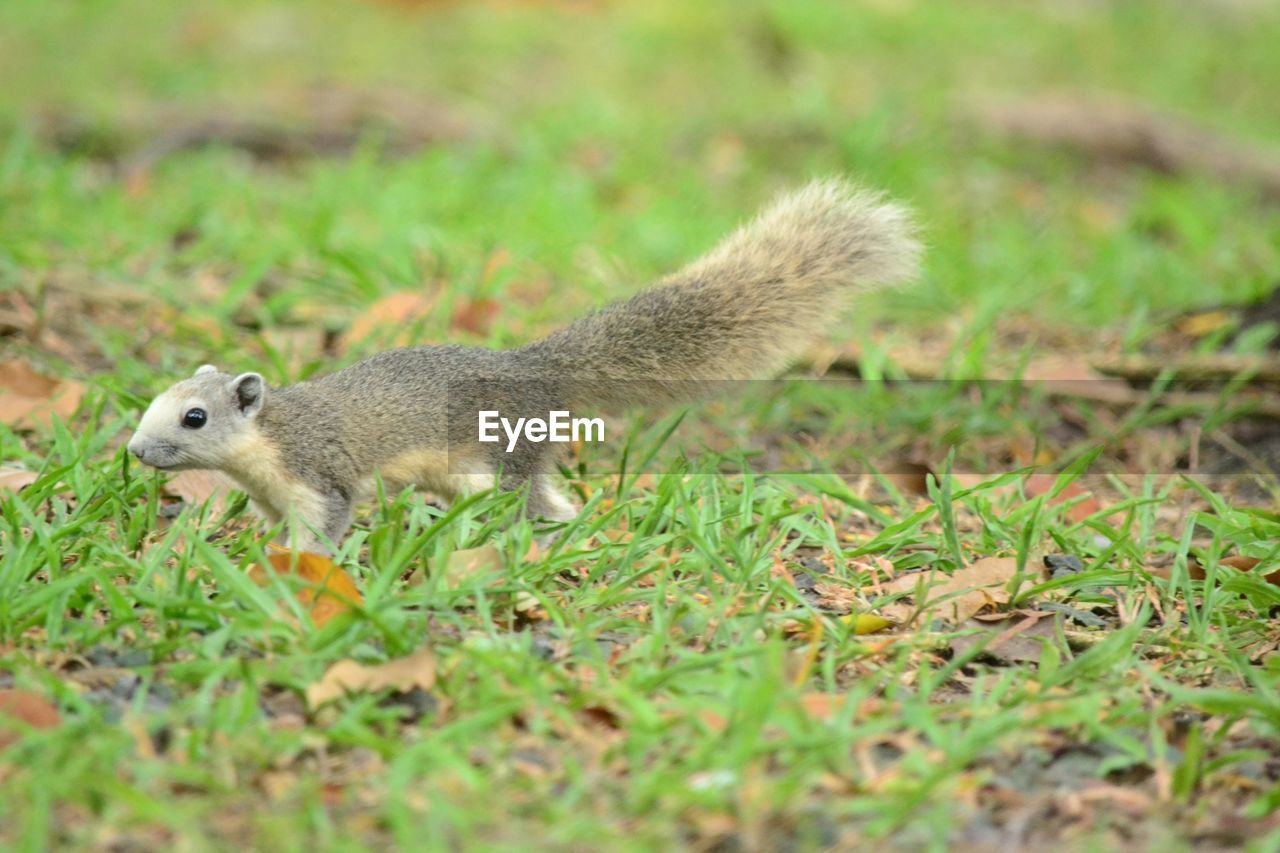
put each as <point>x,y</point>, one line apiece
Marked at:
<point>317,524</point>
<point>320,526</point>
<point>339,510</point>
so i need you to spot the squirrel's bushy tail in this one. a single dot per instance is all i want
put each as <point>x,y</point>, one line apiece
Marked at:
<point>745,310</point>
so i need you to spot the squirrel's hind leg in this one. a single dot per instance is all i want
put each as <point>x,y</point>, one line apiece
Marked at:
<point>546,501</point>
<point>511,473</point>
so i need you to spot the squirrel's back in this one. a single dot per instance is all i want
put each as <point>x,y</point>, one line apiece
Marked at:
<point>749,307</point>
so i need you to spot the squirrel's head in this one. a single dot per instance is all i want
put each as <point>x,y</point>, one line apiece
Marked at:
<point>200,422</point>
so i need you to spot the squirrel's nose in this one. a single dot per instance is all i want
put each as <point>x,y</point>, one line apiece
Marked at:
<point>138,452</point>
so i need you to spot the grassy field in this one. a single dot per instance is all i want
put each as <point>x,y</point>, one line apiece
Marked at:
<point>243,183</point>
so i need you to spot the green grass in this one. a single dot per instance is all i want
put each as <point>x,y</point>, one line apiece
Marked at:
<point>658,694</point>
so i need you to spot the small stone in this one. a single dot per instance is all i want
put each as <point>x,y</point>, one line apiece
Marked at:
<point>134,658</point>
<point>101,656</point>
<point>126,685</point>
<point>417,702</point>
<point>1062,565</point>
<point>544,648</point>
<point>1081,617</point>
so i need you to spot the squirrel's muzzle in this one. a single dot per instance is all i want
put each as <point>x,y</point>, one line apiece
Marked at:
<point>155,454</point>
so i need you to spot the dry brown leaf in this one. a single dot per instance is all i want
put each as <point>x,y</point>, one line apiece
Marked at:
<point>822,706</point>
<point>1193,366</point>
<point>1239,561</point>
<point>136,727</point>
<point>1129,800</point>
<point>598,716</point>
<point>29,709</point>
<point>468,561</point>
<point>277,784</point>
<point>958,596</point>
<point>1061,367</point>
<point>399,311</point>
<point>474,315</point>
<point>908,477</point>
<point>332,592</point>
<point>297,344</point>
<point>1067,375</point>
<point>1041,484</point>
<point>825,706</point>
<point>196,487</point>
<point>29,399</point>
<point>347,676</point>
<point>16,479</point>
<point>1012,640</point>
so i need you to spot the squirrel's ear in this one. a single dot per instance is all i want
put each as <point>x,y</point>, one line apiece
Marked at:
<point>205,368</point>
<point>250,393</point>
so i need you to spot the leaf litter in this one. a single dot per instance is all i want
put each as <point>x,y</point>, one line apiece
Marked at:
<point>16,479</point>
<point>955,597</point>
<point>390,321</point>
<point>400,675</point>
<point>30,399</point>
<point>328,592</point>
<point>22,710</point>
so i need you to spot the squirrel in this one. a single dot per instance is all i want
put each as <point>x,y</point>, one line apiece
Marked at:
<point>306,453</point>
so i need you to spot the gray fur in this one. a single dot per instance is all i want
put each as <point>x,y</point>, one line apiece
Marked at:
<point>745,310</point>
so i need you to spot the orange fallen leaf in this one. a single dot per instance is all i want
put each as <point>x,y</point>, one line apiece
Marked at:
<point>331,591</point>
<point>29,709</point>
<point>822,706</point>
<point>825,706</point>
<point>347,676</point>
<point>29,399</point>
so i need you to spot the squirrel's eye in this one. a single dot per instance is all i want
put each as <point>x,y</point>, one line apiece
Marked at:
<point>194,418</point>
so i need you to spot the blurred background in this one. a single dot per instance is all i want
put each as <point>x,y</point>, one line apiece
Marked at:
<point>268,183</point>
